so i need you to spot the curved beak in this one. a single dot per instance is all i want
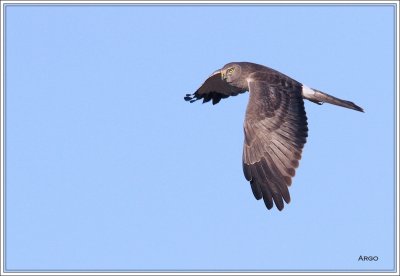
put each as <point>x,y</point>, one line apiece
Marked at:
<point>219,71</point>
<point>223,76</point>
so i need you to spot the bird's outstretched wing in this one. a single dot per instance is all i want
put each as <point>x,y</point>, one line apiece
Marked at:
<point>215,89</point>
<point>275,131</point>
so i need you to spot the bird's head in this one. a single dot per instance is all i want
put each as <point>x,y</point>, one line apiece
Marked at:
<point>231,73</point>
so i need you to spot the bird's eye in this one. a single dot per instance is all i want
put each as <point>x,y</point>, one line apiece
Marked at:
<point>230,70</point>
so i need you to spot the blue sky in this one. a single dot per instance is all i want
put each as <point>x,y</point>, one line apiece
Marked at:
<point>108,168</point>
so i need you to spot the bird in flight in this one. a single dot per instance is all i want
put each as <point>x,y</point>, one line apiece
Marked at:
<point>275,125</point>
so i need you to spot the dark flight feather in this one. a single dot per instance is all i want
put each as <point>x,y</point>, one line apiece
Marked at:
<point>280,138</point>
<point>215,89</point>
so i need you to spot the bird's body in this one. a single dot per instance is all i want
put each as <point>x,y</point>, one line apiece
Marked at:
<point>275,125</point>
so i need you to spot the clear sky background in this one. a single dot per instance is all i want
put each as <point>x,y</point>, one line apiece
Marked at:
<point>108,168</point>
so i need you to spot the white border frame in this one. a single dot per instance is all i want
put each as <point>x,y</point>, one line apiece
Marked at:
<point>2,121</point>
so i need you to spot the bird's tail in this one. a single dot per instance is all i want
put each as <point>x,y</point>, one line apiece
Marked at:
<point>319,97</point>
